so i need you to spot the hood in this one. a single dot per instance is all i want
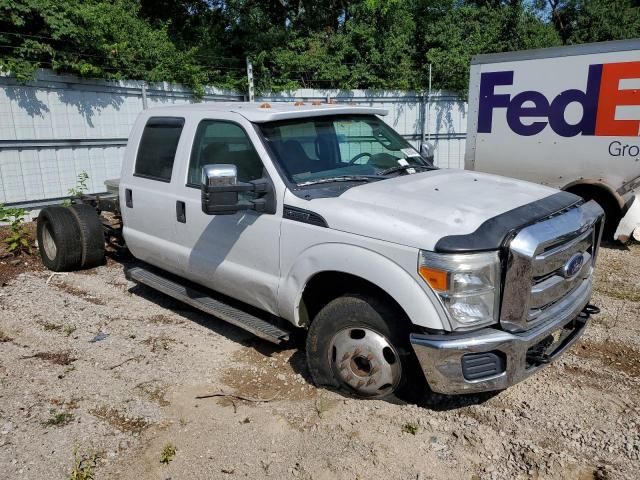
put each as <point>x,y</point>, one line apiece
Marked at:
<point>418,210</point>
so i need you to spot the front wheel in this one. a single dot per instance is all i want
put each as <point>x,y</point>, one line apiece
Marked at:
<point>359,345</point>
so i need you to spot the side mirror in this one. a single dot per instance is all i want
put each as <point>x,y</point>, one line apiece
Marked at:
<point>220,191</point>
<point>427,152</point>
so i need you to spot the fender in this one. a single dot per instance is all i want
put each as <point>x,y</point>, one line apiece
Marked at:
<point>419,302</point>
<point>597,184</point>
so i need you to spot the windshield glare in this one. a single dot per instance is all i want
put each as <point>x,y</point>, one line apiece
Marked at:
<point>310,149</point>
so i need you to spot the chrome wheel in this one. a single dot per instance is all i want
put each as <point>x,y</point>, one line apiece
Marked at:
<point>48,243</point>
<point>365,361</point>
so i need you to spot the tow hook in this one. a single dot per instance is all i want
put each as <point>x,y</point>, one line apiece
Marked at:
<point>591,310</point>
<point>539,355</point>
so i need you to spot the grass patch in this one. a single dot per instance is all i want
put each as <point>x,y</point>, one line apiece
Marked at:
<point>4,337</point>
<point>410,427</point>
<point>59,419</point>
<point>83,467</point>
<point>158,344</point>
<point>618,291</point>
<point>168,453</point>
<point>69,330</point>
<point>57,358</point>
<point>119,420</point>
<point>50,326</point>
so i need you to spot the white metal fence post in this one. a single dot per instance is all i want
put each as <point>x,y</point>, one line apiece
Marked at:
<point>250,80</point>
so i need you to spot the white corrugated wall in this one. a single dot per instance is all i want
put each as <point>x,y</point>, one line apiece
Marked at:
<point>58,126</point>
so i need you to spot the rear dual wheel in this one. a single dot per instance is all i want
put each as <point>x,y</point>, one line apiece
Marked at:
<point>70,238</point>
<point>359,345</point>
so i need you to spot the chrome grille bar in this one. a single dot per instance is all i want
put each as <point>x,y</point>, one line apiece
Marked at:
<point>535,287</point>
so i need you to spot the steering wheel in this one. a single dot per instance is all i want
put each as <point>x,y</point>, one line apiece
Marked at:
<point>358,157</point>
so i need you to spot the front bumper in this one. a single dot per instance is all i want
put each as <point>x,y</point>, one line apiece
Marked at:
<point>518,355</point>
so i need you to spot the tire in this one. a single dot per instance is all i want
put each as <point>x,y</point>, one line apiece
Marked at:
<point>359,346</point>
<point>59,239</point>
<point>91,235</point>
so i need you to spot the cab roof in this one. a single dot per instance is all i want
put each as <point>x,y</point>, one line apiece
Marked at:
<point>259,112</point>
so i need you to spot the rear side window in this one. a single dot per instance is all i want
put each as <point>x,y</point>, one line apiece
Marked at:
<point>157,149</point>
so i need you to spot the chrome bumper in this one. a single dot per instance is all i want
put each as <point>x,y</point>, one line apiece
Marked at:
<point>441,356</point>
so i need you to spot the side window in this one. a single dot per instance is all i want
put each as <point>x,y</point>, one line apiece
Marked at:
<point>158,146</point>
<point>218,141</point>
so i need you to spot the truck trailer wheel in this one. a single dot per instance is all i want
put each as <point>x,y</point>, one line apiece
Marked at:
<point>357,344</point>
<point>91,235</point>
<point>59,239</point>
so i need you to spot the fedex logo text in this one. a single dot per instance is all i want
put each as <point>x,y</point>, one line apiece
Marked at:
<point>599,99</point>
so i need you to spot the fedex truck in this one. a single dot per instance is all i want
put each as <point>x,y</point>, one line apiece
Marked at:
<point>567,117</point>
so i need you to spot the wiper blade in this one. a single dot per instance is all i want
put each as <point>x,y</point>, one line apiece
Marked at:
<point>401,168</point>
<point>341,178</point>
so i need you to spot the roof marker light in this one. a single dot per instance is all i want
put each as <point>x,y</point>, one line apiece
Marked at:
<point>265,105</point>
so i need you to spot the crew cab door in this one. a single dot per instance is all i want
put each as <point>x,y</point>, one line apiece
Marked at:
<point>148,192</point>
<point>237,255</point>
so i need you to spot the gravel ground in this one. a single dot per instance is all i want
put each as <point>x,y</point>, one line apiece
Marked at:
<point>99,374</point>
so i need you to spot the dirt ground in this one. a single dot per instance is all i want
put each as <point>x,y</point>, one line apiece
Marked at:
<point>100,375</point>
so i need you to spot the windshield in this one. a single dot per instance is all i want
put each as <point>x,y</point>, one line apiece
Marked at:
<point>340,148</point>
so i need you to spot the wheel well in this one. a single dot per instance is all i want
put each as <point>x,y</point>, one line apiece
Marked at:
<point>326,286</point>
<point>606,198</point>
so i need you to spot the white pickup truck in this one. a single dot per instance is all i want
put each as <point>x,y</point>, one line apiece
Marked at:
<point>320,217</point>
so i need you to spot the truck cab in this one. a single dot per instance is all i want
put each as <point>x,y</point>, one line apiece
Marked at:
<point>321,217</point>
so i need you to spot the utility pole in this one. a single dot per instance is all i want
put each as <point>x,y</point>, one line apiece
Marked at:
<point>250,80</point>
<point>429,108</point>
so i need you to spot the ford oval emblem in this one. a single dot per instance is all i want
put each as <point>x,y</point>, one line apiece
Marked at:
<point>573,265</point>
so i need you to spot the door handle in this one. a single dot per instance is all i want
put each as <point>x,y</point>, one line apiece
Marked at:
<point>181,212</point>
<point>128,197</point>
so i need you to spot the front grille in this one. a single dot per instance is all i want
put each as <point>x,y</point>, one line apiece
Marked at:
<point>550,266</point>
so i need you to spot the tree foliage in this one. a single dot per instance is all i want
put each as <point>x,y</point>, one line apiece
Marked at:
<point>293,43</point>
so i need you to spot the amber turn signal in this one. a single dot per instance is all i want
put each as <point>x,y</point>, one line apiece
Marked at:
<point>437,279</point>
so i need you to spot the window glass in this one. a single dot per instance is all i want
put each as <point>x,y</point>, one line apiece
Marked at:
<point>158,146</point>
<point>355,138</point>
<point>223,142</point>
<point>310,150</point>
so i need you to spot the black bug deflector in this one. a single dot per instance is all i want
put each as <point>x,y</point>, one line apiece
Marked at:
<point>493,233</point>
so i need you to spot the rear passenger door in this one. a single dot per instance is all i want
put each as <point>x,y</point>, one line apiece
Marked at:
<point>148,194</point>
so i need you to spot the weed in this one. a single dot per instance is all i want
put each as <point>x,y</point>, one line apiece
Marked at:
<point>83,466</point>
<point>119,420</point>
<point>79,189</point>
<point>57,358</point>
<point>154,392</point>
<point>321,406</point>
<point>167,454</point>
<point>158,344</point>
<point>4,337</point>
<point>49,326</point>
<point>59,419</point>
<point>68,330</point>
<point>410,427</point>
<point>18,240</point>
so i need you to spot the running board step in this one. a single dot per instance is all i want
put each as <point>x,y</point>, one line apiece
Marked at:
<point>208,304</point>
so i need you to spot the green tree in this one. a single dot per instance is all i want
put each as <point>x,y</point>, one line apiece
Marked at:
<point>582,21</point>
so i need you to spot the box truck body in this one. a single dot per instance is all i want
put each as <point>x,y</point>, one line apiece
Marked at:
<point>567,117</point>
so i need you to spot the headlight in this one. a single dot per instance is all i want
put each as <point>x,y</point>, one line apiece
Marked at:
<point>467,284</point>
